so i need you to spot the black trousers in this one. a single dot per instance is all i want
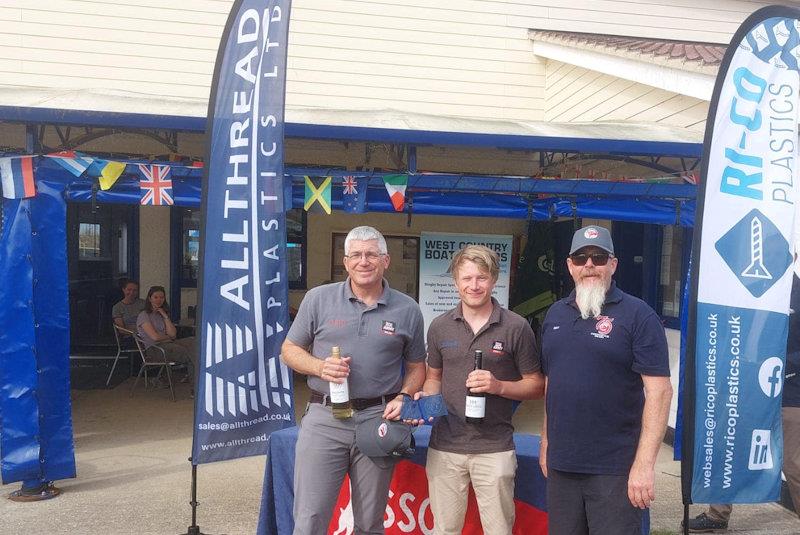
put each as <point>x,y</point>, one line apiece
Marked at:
<point>590,504</point>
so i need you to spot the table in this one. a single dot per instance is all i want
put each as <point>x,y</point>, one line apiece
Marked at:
<point>408,509</point>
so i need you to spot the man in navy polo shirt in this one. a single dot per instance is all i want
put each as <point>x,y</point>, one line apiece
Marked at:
<point>607,392</point>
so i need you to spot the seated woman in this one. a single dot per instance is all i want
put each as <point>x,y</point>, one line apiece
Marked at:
<point>156,329</point>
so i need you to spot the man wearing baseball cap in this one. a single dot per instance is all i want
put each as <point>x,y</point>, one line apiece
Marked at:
<point>607,397</point>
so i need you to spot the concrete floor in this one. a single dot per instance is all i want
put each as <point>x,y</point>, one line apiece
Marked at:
<point>134,476</point>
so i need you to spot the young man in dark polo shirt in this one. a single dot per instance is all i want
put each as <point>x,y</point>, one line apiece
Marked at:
<point>483,453</point>
<point>607,396</point>
<point>380,333</point>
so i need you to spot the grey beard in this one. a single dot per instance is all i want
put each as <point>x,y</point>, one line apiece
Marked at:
<point>590,299</point>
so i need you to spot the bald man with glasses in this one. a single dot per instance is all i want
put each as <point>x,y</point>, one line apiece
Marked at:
<point>380,333</point>
<point>607,397</point>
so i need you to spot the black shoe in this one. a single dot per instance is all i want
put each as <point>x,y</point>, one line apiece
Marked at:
<point>702,523</point>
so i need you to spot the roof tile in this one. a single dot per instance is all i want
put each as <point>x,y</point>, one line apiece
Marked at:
<point>704,53</point>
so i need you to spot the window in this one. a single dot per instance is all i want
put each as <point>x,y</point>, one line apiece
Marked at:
<point>672,268</point>
<point>296,248</point>
<point>190,247</point>
<point>90,245</point>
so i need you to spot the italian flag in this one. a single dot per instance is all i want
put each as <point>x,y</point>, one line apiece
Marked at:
<point>396,186</point>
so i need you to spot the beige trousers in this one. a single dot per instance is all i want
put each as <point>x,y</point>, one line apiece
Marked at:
<point>492,477</point>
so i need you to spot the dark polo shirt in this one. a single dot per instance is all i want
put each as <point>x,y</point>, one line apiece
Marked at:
<point>509,350</point>
<point>595,394</point>
<point>377,337</point>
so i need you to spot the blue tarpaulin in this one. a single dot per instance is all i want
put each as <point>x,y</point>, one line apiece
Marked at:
<point>35,412</point>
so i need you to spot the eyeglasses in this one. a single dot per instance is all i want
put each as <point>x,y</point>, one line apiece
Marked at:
<point>598,259</point>
<point>370,256</point>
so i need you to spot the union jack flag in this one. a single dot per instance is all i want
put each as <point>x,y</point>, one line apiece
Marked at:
<point>155,185</point>
<point>349,184</point>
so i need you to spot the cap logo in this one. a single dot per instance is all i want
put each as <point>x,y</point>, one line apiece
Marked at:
<point>382,430</point>
<point>590,233</point>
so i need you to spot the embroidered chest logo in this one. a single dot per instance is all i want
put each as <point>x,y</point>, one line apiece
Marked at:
<point>382,429</point>
<point>387,327</point>
<point>603,327</point>
<point>497,347</point>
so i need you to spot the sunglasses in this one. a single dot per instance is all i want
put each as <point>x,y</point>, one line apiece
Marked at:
<point>598,259</point>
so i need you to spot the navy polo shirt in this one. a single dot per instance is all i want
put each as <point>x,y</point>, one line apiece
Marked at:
<point>595,393</point>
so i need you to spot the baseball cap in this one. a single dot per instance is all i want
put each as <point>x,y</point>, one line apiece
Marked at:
<point>384,441</point>
<point>592,236</point>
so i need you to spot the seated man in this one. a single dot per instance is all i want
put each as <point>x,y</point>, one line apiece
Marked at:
<point>125,312</point>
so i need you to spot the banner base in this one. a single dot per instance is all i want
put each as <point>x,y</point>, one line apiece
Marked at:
<point>45,491</point>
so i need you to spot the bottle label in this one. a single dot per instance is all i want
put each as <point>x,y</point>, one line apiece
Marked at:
<point>476,407</point>
<point>340,393</point>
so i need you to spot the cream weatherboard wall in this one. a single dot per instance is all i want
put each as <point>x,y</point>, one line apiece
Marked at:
<point>577,94</point>
<point>466,58</point>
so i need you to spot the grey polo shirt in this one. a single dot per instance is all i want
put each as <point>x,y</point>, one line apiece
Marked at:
<point>379,338</point>
<point>128,313</point>
<point>509,350</point>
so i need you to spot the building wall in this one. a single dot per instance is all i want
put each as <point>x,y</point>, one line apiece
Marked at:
<point>575,94</point>
<point>154,244</point>
<point>472,58</point>
<point>321,228</point>
<point>710,21</point>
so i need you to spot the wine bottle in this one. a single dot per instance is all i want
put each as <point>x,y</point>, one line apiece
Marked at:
<point>476,402</point>
<point>340,393</point>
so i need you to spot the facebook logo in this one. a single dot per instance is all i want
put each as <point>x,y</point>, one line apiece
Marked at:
<point>760,450</point>
<point>770,377</point>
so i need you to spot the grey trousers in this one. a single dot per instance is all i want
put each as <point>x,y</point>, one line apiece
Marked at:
<point>791,464</point>
<point>183,350</point>
<point>325,452</point>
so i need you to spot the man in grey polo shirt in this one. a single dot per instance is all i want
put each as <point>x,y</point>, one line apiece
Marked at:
<point>483,453</point>
<point>380,332</point>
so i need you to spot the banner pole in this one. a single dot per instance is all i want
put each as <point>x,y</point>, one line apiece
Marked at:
<point>685,524</point>
<point>194,529</point>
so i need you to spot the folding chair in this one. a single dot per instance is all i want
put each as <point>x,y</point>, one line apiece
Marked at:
<point>122,335</point>
<point>160,362</point>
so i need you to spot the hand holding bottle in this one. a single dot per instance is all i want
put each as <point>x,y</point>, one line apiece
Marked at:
<point>335,370</point>
<point>482,381</point>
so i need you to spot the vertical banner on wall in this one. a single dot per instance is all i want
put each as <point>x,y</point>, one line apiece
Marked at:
<point>740,297</point>
<point>244,391</point>
<point>437,294</point>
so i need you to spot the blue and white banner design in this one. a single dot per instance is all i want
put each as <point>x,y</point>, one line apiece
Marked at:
<point>743,235</point>
<point>244,391</point>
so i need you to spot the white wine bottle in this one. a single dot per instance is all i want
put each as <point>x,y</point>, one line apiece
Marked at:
<point>476,402</point>
<point>340,393</point>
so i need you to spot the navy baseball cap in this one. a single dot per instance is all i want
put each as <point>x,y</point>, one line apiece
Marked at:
<point>384,441</point>
<point>592,236</point>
